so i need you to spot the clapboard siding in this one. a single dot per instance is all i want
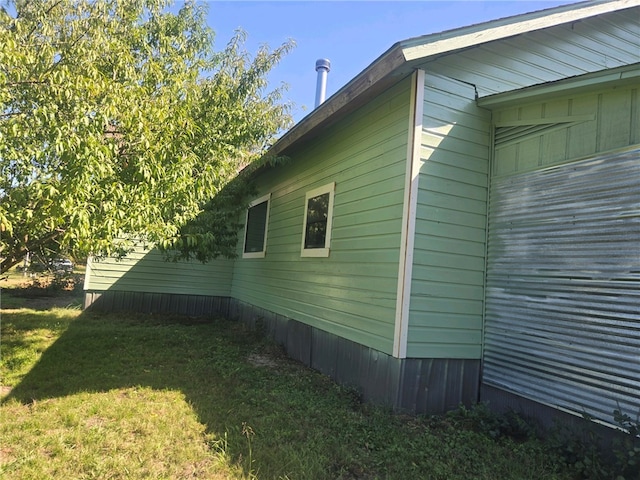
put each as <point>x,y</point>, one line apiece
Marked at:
<point>604,120</point>
<point>147,271</point>
<point>445,319</point>
<point>352,293</point>
<point>533,58</point>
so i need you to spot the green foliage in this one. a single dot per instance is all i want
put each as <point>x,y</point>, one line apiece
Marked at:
<point>118,119</point>
<point>57,283</point>
<point>627,449</point>
<point>585,454</point>
<point>481,419</point>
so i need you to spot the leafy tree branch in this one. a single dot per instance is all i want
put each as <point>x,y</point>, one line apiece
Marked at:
<point>119,119</point>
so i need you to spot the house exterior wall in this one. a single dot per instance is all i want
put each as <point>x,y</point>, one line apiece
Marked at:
<point>563,276</point>
<point>445,319</point>
<point>542,134</point>
<point>144,281</point>
<point>352,292</point>
<point>344,313</point>
<point>147,271</point>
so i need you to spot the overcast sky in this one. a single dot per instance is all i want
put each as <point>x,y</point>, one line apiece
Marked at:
<point>350,34</point>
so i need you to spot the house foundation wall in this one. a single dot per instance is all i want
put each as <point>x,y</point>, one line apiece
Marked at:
<point>145,302</point>
<point>550,418</point>
<point>411,385</point>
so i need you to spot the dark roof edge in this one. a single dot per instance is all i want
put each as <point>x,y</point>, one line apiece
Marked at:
<point>340,103</point>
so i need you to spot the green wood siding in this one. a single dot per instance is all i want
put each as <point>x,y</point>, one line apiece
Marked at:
<point>545,55</point>
<point>352,293</point>
<point>147,271</point>
<point>605,120</point>
<point>445,316</point>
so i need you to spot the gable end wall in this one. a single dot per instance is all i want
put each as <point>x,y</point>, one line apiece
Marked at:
<point>449,254</point>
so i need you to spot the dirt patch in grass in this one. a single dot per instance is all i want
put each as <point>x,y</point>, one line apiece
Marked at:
<point>262,360</point>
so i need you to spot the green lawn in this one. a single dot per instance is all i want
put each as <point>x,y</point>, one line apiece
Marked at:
<point>140,396</point>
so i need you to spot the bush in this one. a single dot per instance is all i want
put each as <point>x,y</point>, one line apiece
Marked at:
<point>583,450</point>
<point>54,284</point>
<point>495,425</point>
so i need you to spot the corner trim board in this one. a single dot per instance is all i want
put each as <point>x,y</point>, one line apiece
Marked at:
<point>412,175</point>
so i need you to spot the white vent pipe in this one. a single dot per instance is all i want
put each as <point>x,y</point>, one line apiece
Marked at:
<point>322,67</point>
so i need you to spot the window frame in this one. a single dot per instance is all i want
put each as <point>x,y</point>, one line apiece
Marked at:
<point>263,252</point>
<point>318,252</point>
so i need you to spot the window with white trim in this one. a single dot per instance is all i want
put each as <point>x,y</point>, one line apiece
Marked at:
<point>318,215</point>
<point>255,230</point>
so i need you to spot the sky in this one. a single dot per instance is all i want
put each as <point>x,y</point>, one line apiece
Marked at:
<point>351,34</point>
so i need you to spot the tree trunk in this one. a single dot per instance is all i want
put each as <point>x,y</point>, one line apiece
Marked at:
<point>14,257</point>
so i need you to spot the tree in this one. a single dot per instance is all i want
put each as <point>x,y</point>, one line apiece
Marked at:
<point>119,120</point>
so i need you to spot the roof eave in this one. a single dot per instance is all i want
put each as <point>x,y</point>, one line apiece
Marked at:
<point>371,81</point>
<point>405,56</point>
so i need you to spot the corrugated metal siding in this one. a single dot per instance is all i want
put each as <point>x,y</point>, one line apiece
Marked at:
<point>144,302</point>
<point>533,58</point>
<point>147,271</point>
<point>563,285</point>
<point>352,293</point>
<point>445,319</point>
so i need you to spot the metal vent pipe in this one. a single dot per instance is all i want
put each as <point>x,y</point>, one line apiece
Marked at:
<point>322,67</point>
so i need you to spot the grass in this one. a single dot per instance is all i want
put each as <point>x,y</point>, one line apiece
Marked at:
<point>139,396</point>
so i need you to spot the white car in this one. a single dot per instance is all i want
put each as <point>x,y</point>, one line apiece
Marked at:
<point>62,265</point>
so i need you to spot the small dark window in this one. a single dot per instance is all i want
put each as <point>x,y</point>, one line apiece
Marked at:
<point>256,228</point>
<point>316,234</point>
<point>317,214</point>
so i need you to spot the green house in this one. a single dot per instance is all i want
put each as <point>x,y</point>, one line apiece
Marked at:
<point>461,221</point>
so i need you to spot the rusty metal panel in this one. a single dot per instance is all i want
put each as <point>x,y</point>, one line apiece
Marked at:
<point>563,285</point>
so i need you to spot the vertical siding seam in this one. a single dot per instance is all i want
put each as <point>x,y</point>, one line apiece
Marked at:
<point>410,203</point>
<point>599,122</point>
<point>492,167</point>
<point>634,137</point>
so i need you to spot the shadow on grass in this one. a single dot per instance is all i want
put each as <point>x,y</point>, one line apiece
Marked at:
<point>231,377</point>
<point>237,382</point>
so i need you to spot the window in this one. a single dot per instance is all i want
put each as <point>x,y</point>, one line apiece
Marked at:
<point>255,236</point>
<point>318,212</point>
